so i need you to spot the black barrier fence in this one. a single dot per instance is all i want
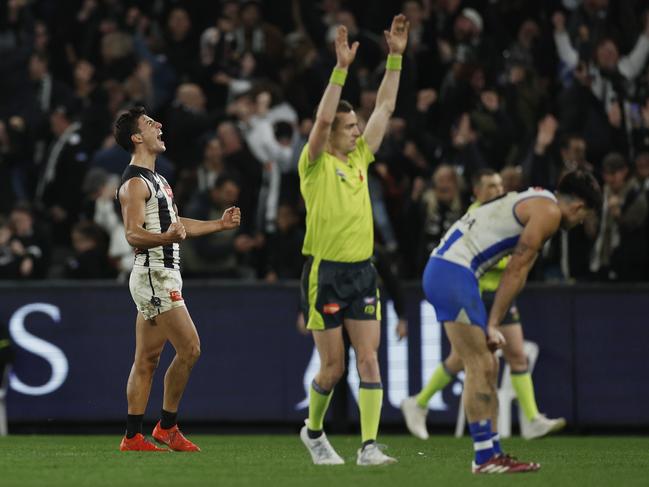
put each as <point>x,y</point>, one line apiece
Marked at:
<point>75,345</point>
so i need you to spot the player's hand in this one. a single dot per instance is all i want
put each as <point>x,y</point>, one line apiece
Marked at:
<point>176,232</point>
<point>495,339</point>
<point>344,54</point>
<point>231,218</point>
<point>397,38</point>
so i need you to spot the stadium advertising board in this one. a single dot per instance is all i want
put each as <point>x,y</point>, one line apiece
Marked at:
<point>75,347</point>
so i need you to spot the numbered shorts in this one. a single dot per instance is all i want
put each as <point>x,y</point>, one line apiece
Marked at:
<point>156,290</point>
<point>453,291</point>
<point>512,317</point>
<point>335,291</point>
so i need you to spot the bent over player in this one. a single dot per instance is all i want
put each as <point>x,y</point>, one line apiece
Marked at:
<point>516,224</point>
<point>339,281</point>
<point>487,185</point>
<point>154,229</point>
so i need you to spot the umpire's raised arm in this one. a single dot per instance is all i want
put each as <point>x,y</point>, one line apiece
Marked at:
<point>327,109</point>
<point>397,39</point>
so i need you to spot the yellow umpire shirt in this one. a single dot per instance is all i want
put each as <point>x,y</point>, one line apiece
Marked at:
<point>339,223</point>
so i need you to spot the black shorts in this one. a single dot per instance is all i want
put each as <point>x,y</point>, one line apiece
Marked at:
<point>335,291</point>
<point>512,317</point>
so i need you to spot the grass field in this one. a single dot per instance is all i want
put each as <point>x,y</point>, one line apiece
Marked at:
<point>281,460</point>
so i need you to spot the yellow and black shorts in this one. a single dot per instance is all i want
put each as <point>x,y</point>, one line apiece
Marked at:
<point>512,317</point>
<point>335,291</point>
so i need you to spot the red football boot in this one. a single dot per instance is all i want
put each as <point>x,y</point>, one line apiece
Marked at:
<point>173,438</point>
<point>504,464</point>
<point>138,443</point>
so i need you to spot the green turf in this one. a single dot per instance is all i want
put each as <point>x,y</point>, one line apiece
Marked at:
<point>270,461</point>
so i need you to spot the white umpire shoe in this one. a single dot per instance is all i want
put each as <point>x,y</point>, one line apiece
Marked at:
<point>373,454</point>
<point>322,453</point>
<point>540,426</point>
<point>415,417</point>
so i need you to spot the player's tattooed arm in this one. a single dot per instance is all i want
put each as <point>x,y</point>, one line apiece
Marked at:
<point>542,219</point>
<point>522,248</point>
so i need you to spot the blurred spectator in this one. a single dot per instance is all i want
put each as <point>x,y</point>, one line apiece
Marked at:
<point>608,79</point>
<point>501,85</point>
<point>24,251</point>
<point>93,102</point>
<point>285,260</point>
<point>59,184</point>
<point>185,123</point>
<point>257,36</point>
<point>257,124</point>
<point>181,45</point>
<point>10,260</point>
<point>100,207</point>
<point>117,56</point>
<point>432,212</point>
<point>512,177</point>
<point>204,177</point>
<point>495,130</point>
<point>642,170</point>
<point>539,166</point>
<point>620,252</point>
<point>222,254</point>
<point>90,259</point>
<point>238,156</point>
<point>15,163</point>
<point>47,93</point>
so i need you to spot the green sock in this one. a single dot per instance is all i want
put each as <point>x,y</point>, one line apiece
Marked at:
<point>318,403</point>
<point>438,381</point>
<point>522,383</point>
<point>370,400</point>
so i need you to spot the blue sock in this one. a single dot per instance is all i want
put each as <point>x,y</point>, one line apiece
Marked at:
<point>482,444</point>
<point>495,439</point>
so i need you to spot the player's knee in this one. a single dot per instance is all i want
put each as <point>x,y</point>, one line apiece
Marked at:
<point>481,364</point>
<point>517,361</point>
<point>330,376</point>
<point>453,363</point>
<point>194,353</point>
<point>332,370</point>
<point>146,364</point>
<point>367,363</point>
<point>190,354</point>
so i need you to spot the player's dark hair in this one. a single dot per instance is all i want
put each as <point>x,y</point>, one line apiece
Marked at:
<point>477,177</point>
<point>126,126</point>
<point>581,184</point>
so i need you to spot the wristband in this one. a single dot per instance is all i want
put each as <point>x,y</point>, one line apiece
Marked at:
<point>338,77</point>
<point>394,62</point>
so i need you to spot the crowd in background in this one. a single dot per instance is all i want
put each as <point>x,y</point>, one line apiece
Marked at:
<point>528,88</point>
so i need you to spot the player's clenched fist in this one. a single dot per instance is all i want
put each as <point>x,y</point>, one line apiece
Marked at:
<point>176,232</point>
<point>231,218</point>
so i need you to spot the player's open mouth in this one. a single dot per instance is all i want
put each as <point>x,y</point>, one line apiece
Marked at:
<point>160,136</point>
